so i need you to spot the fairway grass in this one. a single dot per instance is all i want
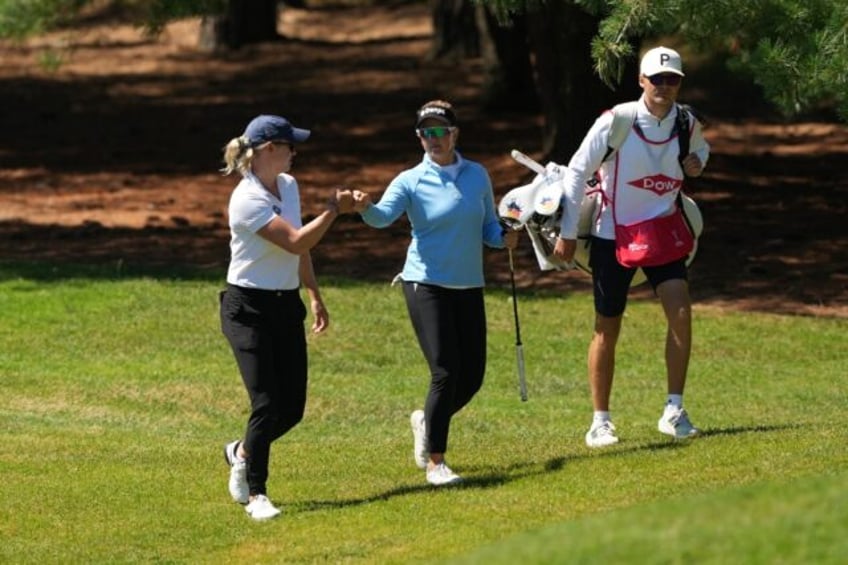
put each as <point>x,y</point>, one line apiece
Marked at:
<point>119,391</point>
<point>800,521</point>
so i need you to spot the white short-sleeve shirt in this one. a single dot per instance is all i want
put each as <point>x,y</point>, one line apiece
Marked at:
<point>255,262</point>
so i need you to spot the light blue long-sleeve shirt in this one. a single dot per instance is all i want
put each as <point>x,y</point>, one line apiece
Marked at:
<point>452,217</point>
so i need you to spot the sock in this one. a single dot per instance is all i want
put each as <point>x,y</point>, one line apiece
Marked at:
<point>600,417</point>
<point>674,401</point>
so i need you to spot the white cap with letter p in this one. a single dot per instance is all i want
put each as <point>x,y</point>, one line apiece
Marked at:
<point>661,60</point>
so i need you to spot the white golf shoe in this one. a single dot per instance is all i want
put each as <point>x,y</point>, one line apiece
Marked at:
<point>260,508</point>
<point>441,474</point>
<point>601,435</point>
<point>675,422</point>
<point>238,473</point>
<point>419,436</point>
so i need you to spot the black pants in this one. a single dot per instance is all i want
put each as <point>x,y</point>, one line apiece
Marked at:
<point>265,331</point>
<point>451,328</point>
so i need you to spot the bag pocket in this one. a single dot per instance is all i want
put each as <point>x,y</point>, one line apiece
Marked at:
<point>653,242</point>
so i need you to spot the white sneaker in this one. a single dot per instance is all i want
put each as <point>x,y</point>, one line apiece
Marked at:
<point>441,474</point>
<point>419,435</point>
<point>675,422</point>
<point>601,435</point>
<point>260,508</point>
<point>238,473</point>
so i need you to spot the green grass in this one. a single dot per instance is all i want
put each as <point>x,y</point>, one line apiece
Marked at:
<point>118,391</point>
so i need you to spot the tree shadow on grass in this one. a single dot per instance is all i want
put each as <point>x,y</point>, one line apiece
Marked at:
<point>518,471</point>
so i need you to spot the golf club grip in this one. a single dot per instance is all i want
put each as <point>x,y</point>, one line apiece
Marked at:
<point>528,162</point>
<point>522,380</point>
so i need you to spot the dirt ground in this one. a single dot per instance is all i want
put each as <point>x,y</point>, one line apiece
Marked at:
<point>114,156</point>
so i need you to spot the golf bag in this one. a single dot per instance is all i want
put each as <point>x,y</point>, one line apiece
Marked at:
<point>538,206</point>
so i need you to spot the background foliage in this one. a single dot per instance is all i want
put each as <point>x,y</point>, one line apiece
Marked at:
<point>797,50</point>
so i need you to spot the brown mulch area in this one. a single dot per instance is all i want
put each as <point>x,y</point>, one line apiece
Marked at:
<point>114,156</point>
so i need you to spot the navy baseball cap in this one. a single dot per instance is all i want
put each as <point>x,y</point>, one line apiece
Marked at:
<point>266,128</point>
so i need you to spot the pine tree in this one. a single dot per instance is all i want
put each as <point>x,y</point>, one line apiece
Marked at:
<point>797,50</point>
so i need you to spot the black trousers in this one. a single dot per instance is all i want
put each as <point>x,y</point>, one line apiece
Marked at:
<point>265,331</point>
<point>450,325</point>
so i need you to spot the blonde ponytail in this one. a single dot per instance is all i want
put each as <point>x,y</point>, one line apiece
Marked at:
<point>238,155</point>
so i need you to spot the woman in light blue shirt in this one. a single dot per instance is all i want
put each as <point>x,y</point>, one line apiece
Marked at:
<point>450,206</point>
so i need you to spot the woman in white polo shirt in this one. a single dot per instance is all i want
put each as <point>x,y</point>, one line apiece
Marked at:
<point>262,313</point>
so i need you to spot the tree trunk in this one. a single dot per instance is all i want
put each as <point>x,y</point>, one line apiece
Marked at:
<point>454,29</point>
<point>508,82</point>
<point>245,21</point>
<point>571,94</point>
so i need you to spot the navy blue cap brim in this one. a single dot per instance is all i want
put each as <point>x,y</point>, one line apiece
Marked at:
<point>300,135</point>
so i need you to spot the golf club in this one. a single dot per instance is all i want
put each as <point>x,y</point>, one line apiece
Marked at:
<point>519,348</point>
<point>528,162</point>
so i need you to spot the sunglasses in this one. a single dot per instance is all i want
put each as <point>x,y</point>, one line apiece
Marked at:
<point>434,132</point>
<point>670,79</point>
<point>290,144</point>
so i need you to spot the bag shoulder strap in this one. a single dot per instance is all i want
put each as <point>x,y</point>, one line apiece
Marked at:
<point>623,117</point>
<point>683,131</point>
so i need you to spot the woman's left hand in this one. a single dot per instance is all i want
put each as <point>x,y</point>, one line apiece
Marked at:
<point>322,317</point>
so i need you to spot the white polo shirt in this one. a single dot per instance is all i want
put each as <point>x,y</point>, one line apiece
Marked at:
<point>255,262</point>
